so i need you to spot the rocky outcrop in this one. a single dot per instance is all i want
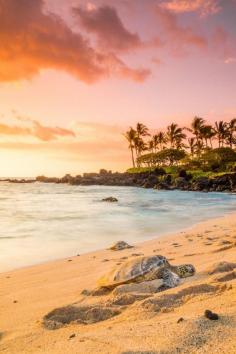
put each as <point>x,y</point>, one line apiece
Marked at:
<point>156,179</point>
<point>119,246</point>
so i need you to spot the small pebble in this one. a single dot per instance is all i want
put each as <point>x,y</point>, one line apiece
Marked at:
<point>180,320</point>
<point>72,336</point>
<point>15,301</point>
<point>211,315</point>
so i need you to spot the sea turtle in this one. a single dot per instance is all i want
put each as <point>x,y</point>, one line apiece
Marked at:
<point>146,269</point>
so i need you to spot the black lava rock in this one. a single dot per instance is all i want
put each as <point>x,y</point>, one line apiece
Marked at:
<point>211,315</point>
<point>180,320</point>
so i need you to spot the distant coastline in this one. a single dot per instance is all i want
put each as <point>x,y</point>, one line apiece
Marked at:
<point>157,178</point>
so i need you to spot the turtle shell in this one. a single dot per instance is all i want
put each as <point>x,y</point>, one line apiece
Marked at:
<point>132,270</point>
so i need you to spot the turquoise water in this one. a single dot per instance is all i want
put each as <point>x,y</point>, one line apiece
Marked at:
<point>41,222</point>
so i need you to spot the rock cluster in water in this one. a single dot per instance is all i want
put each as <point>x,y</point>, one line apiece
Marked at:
<point>110,200</point>
<point>157,179</point>
<point>120,245</point>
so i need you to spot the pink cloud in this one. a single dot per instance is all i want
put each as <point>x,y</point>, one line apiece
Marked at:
<point>107,26</point>
<point>178,38</point>
<point>32,40</point>
<point>204,7</point>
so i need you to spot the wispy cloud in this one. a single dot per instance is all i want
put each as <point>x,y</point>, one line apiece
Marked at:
<point>204,7</point>
<point>23,127</point>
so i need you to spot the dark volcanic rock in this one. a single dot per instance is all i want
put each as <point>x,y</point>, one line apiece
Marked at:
<point>181,183</point>
<point>211,315</point>
<point>202,184</point>
<point>110,200</point>
<point>156,179</point>
<point>150,182</point>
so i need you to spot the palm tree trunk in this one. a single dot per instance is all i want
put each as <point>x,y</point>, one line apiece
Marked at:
<point>132,154</point>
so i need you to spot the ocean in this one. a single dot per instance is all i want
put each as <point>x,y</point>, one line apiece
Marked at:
<point>42,222</point>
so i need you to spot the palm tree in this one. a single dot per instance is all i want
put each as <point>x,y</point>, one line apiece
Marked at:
<point>207,133</point>
<point>151,145</point>
<point>175,135</point>
<point>155,142</point>
<point>231,129</point>
<point>140,146</point>
<point>221,132</point>
<point>142,130</point>
<point>130,136</point>
<point>192,146</point>
<point>199,147</point>
<point>196,127</point>
<point>161,137</point>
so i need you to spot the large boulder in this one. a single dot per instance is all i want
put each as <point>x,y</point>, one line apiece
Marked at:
<point>120,245</point>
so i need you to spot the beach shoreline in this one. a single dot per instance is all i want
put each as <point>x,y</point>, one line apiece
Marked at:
<point>29,293</point>
<point>160,237</point>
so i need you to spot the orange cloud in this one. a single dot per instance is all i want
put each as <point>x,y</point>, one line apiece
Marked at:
<point>204,7</point>
<point>96,145</point>
<point>13,130</point>
<point>32,40</point>
<point>34,129</point>
<point>179,38</point>
<point>105,23</point>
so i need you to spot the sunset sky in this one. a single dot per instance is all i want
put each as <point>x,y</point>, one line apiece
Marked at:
<point>75,74</point>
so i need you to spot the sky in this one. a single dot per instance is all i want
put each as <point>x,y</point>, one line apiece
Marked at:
<point>76,74</point>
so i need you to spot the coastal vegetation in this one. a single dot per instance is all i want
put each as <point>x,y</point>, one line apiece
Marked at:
<point>201,148</point>
<point>201,157</point>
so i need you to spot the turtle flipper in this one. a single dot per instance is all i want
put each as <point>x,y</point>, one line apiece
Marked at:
<point>170,279</point>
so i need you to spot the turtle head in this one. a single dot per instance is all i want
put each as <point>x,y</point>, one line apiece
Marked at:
<point>185,270</point>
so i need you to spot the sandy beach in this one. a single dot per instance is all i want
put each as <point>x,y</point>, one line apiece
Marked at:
<point>172,321</point>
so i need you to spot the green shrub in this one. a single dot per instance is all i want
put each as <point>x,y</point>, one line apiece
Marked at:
<point>217,159</point>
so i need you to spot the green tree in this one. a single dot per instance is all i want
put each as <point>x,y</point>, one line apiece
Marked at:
<point>142,130</point>
<point>130,136</point>
<point>207,133</point>
<point>192,146</point>
<point>196,127</point>
<point>162,140</point>
<point>231,129</point>
<point>221,131</point>
<point>175,135</point>
<point>151,145</point>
